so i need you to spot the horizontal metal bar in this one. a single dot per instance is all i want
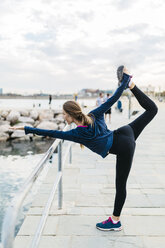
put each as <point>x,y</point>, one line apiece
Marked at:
<point>42,222</point>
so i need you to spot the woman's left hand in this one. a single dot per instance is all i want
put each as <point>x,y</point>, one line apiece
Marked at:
<point>16,128</point>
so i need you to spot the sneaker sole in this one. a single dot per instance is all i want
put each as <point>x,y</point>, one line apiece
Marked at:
<point>110,229</point>
<point>120,73</point>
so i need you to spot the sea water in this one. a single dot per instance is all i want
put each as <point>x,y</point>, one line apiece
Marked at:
<point>17,161</point>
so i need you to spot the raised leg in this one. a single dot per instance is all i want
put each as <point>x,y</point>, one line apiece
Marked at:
<point>150,111</point>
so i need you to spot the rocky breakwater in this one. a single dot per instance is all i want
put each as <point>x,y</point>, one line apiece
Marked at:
<point>45,119</point>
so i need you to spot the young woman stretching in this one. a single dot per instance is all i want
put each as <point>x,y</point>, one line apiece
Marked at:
<point>92,132</point>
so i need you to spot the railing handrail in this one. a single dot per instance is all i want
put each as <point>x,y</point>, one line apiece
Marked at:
<point>15,205</point>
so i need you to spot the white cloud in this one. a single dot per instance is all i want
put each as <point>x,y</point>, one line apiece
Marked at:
<point>67,45</point>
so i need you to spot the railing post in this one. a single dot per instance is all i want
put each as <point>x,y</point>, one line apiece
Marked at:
<point>129,105</point>
<point>60,190</point>
<point>70,154</point>
<point>70,149</point>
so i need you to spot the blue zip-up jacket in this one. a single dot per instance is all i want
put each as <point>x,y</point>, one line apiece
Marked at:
<point>98,137</point>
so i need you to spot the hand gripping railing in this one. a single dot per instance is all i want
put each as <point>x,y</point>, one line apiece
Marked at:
<point>9,223</point>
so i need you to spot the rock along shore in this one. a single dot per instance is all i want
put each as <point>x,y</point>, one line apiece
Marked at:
<point>40,118</point>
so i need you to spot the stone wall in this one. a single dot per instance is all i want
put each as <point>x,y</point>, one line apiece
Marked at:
<point>45,119</point>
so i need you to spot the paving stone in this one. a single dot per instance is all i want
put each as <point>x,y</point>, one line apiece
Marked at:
<point>152,242</point>
<point>145,211</point>
<point>91,186</point>
<point>134,186</point>
<point>137,201</point>
<point>157,200</point>
<point>147,178</point>
<point>108,191</point>
<point>40,200</point>
<point>55,241</point>
<point>97,242</point>
<point>153,191</point>
<point>27,227</point>
<point>134,191</point>
<point>31,222</point>
<point>51,225</point>
<point>89,191</point>
<point>94,172</point>
<point>106,242</point>
<point>68,178</point>
<point>151,186</point>
<point>74,211</point>
<point>94,201</point>
<point>92,211</point>
<point>135,225</point>
<point>35,211</point>
<point>94,179</point>
<point>23,241</point>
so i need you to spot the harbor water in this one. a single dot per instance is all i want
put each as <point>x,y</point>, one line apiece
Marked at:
<point>18,159</point>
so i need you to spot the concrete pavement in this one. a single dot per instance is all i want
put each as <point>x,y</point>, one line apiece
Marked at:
<point>89,192</point>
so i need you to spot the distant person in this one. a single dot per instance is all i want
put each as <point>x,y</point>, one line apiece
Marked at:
<point>100,99</point>
<point>119,106</point>
<point>50,100</point>
<point>108,112</point>
<point>75,97</point>
<point>92,132</point>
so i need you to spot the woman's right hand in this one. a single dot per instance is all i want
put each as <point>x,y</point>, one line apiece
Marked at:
<point>16,128</point>
<point>125,70</point>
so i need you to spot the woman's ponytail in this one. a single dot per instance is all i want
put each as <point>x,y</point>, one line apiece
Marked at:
<point>86,120</point>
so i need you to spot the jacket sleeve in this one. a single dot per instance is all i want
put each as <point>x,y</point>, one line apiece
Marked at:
<point>71,135</point>
<point>105,106</point>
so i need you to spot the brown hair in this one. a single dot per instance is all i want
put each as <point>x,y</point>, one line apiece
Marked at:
<point>74,110</point>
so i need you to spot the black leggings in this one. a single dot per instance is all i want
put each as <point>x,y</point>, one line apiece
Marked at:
<point>124,146</point>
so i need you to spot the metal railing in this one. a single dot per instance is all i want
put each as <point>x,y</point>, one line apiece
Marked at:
<point>10,219</point>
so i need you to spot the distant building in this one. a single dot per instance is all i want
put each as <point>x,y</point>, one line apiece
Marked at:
<point>149,89</point>
<point>93,92</point>
<point>88,92</point>
<point>1,91</point>
<point>108,91</point>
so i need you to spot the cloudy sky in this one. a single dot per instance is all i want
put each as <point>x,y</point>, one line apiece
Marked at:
<point>66,45</point>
